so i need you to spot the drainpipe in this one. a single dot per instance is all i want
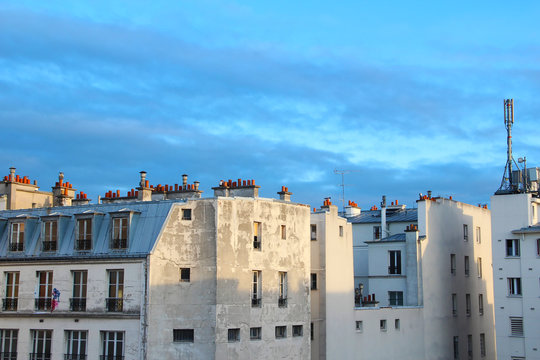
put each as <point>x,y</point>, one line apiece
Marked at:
<point>144,315</point>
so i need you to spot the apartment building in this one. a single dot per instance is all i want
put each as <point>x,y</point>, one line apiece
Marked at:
<point>160,273</point>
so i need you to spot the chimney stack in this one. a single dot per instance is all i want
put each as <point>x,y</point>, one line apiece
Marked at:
<point>144,192</point>
<point>63,192</point>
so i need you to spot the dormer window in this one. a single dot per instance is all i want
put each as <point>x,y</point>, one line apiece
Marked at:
<point>16,240</point>
<point>83,240</point>
<point>50,235</point>
<point>119,234</point>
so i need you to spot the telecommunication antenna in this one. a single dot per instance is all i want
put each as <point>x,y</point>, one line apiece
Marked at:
<point>342,173</point>
<point>507,183</point>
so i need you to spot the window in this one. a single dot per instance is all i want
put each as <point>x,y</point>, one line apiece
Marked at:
<point>8,344</point>
<point>537,247</point>
<point>395,298</point>
<point>469,347</point>
<point>468,304</point>
<point>456,347</point>
<point>454,304</point>
<point>41,344</point>
<point>481,304</point>
<point>382,325</point>
<point>466,263</point>
<point>185,274</point>
<point>255,333</point>
<point>282,301</point>
<point>453,264</point>
<point>340,230</point>
<point>395,262</point>
<point>281,332</point>
<point>256,289</point>
<point>50,235</point>
<point>186,214</point>
<point>482,345</point>
<point>359,326</point>
<point>313,232</point>
<point>516,326</point>
<point>11,299</point>
<point>84,234</point>
<point>76,345</point>
<point>233,335</point>
<point>376,232</point>
<point>116,291</point>
<point>479,267</point>
<point>78,301</point>
<point>478,240</point>
<point>183,335</point>
<point>512,247</point>
<point>257,238</point>
<point>16,241</point>
<point>514,286</point>
<point>112,347</point>
<point>313,281</point>
<point>283,232</point>
<point>465,232</point>
<point>311,331</point>
<point>119,238</point>
<point>44,291</point>
<point>297,330</point>
<point>397,324</point>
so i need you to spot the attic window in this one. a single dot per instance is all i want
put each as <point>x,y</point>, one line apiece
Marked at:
<point>119,232</point>
<point>186,214</point>
<point>16,241</point>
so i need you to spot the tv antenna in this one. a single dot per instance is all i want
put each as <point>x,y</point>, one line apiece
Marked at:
<point>507,183</point>
<point>342,173</point>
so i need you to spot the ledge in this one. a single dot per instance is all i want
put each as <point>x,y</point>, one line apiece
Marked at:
<point>69,315</point>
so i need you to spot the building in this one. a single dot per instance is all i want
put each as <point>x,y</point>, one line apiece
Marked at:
<point>160,273</point>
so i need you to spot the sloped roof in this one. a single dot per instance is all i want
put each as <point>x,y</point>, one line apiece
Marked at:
<point>530,229</point>
<point>374,216</point>
<point>401,237</point>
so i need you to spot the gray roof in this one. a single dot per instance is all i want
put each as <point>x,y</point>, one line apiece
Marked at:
<point>401,237</point>
<point>147,219</point>
<point>530,229</point>
<point>374,216</point>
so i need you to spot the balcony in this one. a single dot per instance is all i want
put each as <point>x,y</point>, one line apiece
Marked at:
<point>255,302</point>
<point>394,270</point>
<point>282,302</point>
<point>119,244</point>
<point>8,355</point>
<point>44,304</point>
<point>115,304</point>
<point>40,356</point>
<point>18,246</point>
<point>111,357</point>
<point>49,246</point>
<point>77,304</point>
<point>9,304</point>
<point>74,357</point>
<point>82,245</point>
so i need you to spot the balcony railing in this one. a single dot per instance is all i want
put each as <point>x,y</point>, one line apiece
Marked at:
<point>255,302</point>
<point>40,356</point>
<point>282,302</point>
<point>43,303</point>
<point>74,357</point>
<point>111,357</point>
<point>82,245</point>
<point>8,355</point>
<point>256,243</point>
<point>394,270</point>
<point>49,246</point>
<point>115,304</point>
<point>77,304</point>
<point>18,246</point>
<point>119,244</point>
<point>9,304</point>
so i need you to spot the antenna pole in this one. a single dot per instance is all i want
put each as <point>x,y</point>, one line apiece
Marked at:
<point>508,122</point>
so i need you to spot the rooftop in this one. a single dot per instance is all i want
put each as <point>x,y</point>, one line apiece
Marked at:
<point>374,216</point>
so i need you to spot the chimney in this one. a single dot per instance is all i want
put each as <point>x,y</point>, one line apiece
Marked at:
<point>144,192</point>
<point>81,199</point>
<point>284,194</point>
<point>352,209</point>
<point>63,192</point>
<point>11,174</point>
<point>184,181</point>
<point>384,231</point>
<point>240,188</point>
<point>184,191</point>
<point>429,194</point>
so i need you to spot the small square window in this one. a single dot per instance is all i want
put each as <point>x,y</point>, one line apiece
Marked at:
<point>186,214</point>
<point>340,230</point>
<point>313,232</point>
<point>514,286</point>
<point>359,326</point>
<point>382,325</point>
<point>297,330</point>
<point>183,335</point>
<point>512,248</point>
<point>283,232</point>
<point>397,324</point>
<point>281,332</point>
<point>313,281</point>
<point>233,335</point>
<point>185,274</point>
<point>255,333</point>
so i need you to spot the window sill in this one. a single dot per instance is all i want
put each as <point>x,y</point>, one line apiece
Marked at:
<point>512,257</point>
<point>515,296</point>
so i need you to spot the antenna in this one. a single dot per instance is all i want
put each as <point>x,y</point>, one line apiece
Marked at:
<point>342,173</point>
<point>507,184</point>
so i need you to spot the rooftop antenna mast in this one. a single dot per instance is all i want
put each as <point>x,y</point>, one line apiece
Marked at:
<point>507,185</point>
<point>342,173</point>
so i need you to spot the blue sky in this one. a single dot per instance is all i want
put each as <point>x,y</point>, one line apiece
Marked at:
<point>407,94</point>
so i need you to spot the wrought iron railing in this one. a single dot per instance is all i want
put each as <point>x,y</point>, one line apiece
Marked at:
<point>115,304</point>
<point>74,357</point>
<point>255,302</point>
<point>40,356</point>
<point>282,302</point>
<point>17,246</point>
<point>49,246</point>
<point>83,245</point>
<point>8,355</point>
<point>43,303</point>
<point>9,304</point>
<point>77,304</point>
<point>119,244</point>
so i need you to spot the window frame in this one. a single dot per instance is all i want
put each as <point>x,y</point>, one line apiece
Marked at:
<point>395,298</point>
<point>456,347</point>
<point>43,301</point>
<point>394,262</point>
<point>233,335</point>
<point>478,234</point>
<point>283,232</point>
<point>454,304</point>
<point>120,225</point>
<point>16,237</point>
<point>313,281</point>
<point>340,230</point>
<point>479,267</point>
<point>8,342</point>
<point>79,290</point>
<point>469,347</point>
<point>453,264</point>
<point>359,326</point>
<point>79,342</point>
<point>256,288</point>
<point>313,232</point>
<point>11,294</point>
<point>297,330</point>
<point>41,343</point>
<point>468,305</point>
<point>183,335</point>
<point>482,344</point>
<point>512,251</point>
<point>187,214</point>
<point>115,290</point>
<point>255,333</point>
<point>50,232</point>
<point>84,235</point>
<point>257,235</point>
<point>281,332</point>
<point>515,287</point>
<point>283,289</point>
<point>466,266</point>
<point>110,341</point>
<point>377,232</point>
<point>185,274</point>
<point>481,304</point>
<point>382,325</point>
<point>465,232</point>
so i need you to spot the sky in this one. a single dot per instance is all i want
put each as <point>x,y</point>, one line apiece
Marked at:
<point>403,97</point>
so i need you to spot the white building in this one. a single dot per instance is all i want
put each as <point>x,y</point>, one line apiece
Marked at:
<point>516,266</point>
<point>158,274</point>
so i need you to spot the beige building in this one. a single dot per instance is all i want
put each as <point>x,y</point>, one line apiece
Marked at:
<point>157,274</point>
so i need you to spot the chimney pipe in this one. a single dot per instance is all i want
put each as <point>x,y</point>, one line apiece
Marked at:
<point>143,178</point>
<point>383,217</point>
<point>429,194</point>
<point>196,183</point>
<point>184,181</point>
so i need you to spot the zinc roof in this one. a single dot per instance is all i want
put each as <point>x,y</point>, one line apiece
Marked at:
<point>374,216</point>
